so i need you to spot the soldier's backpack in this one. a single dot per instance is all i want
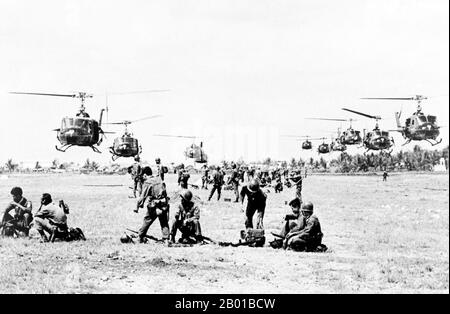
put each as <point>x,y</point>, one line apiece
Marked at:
<point>255,237</point>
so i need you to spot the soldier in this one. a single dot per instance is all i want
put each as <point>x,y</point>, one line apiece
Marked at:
<point>217,183</point>
<point>157,206</point>
<point>136,175</point>
<point>234,181</point>
<point>49,217</point>
<point>385,175</point>
<point>205,177</point>
<point>187,220</point>
<point>307,235</point>
<point>183,178</point>
<point>256,202</point>
<point>22,211</point>
<point>278,185</point>
<point>297,179</point>
<point>160,168</point>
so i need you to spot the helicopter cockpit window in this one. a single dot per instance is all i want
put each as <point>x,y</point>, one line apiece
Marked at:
<point>423,119</point>
<point>432,119</point>
<point>384,133</point>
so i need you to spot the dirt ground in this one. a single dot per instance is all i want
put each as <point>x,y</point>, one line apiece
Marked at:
<point>383,237</point>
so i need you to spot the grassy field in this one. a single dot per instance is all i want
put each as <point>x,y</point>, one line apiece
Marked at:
<point>383,237</point>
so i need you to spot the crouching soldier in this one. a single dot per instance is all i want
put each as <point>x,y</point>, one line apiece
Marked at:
<point>290,222</point>
<point>187,220</point>
<point>21,219</point>
<point>49,218</point>
<point>157,207</point>
<point>256,202</point>
<point>307,235</point>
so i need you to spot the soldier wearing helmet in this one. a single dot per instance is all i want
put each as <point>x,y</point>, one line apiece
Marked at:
<point>187,220</point>
<point>217,183</point>
<point>136,175</point>
<point>22,216</point>
<point>256,202</point>
<point>160,168</point>
<point>234,181</point>
<point>297,179</point>
<point>154,190</point>
<point>307,235</point>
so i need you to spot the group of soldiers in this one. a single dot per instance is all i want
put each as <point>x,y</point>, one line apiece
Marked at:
<point>50,220</point>
<point>301,230</point>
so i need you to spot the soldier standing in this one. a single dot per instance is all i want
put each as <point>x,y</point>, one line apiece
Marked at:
<point>160,168</point>
<point>234,180</point>
<point>22,211</point>
<point>297,179</point>
<point>205,177</point>
<point>256,202</point>
<point>157,206</point>
<point>136,175</point>
<point>385,175</point>
<point>183,178</point>
<point>217,183</point>
<point>187,220</point>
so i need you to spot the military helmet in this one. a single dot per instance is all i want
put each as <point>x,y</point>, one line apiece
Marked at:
<point>147,170</point>
<point>186,195</point>
<point>157,160</point>
<point>137,158</point>
<point>308,207</point>
<point>125,238</point>
<point>16,191</point>
<point>253,186</point>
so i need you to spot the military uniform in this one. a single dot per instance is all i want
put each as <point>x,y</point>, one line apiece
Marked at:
<point>217,184</point>
<point>307,235</point>
<point>234,180</point>
<point>279,186</point>
<point>136,175</point>
<point>187,220</point>
<point>49,217</point>
<point>256,202</point>
<point>22,214</point>
<point>183,179</point>
<point>160,171</point>
<point>157,207</point>
<point>205,178</point>
<point>298,181</point>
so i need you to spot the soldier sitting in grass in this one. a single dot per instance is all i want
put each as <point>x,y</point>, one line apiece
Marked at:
<point>307,235</point>
<point>290,222</point>
<point>49,218</point>
<point>21,219</point>
<point>187,220</point>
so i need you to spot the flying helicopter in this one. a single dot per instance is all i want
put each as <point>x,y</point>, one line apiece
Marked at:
<point>323,148</point>
<point>127,145</point>
<point>80,130</point>
<point>194,151</point>
<point>336,143</point>
<point>306,144</point>
<point>376,139</point>
<point>349,136</point>
<point>418,126</point>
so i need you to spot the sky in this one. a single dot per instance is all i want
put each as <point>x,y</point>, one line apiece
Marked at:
<point>240,73</point>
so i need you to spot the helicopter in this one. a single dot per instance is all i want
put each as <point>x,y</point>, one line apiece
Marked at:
<point>194,151</point>
<point>306,144</point>
<point>347,137</point>
<point>126,145</point>
<point>80,130</point>
<point>376,139</point>
<point>418,126</point>
<point>323,148</point>
<point>336,143</point>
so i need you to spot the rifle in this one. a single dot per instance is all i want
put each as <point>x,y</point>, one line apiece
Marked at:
<point>146,236</point>
<point>240,243</point>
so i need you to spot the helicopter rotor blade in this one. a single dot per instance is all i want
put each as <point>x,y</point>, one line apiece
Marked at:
<point>45,94</point>
<point>327,119</point>
<point>179,136</point>
<point>390,98</point>
<point>146,118</point>
<point>362,114</point>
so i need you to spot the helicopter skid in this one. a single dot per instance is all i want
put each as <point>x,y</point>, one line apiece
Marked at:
<point>95,149</point>
<point>407,142</point>
<point>63,148</point>
<point>434,143</point>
